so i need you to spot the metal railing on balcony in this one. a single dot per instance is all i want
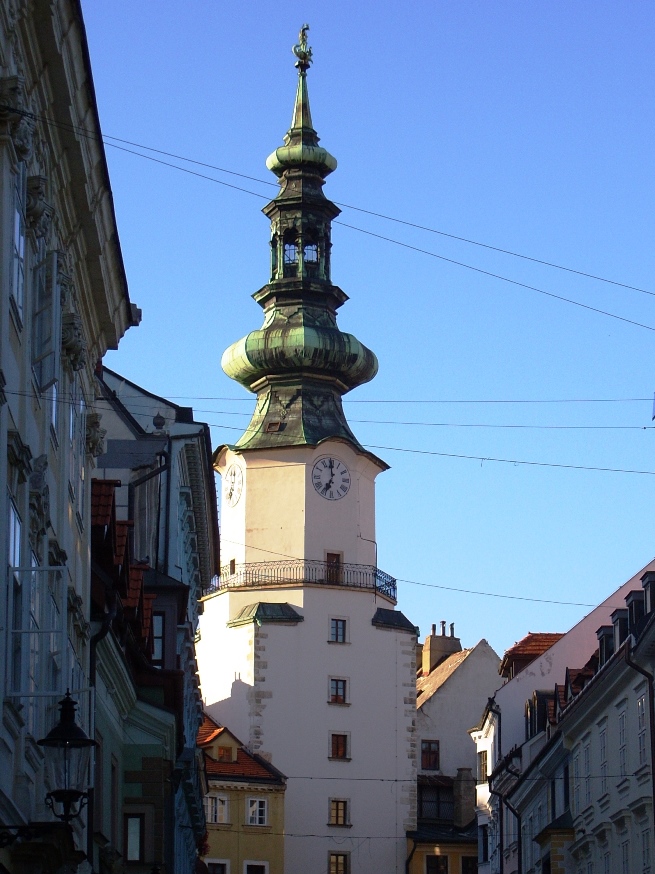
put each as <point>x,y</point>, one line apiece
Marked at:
<point>275,573</point>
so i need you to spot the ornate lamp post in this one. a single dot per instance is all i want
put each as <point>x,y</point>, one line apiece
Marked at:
<point>67,751</point>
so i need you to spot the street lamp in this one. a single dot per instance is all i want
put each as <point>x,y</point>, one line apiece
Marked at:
<point>67,752</point>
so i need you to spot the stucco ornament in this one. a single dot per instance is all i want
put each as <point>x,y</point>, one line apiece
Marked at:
<point>14,115</point>
<point>95,435</point>
<point>39,211</point>
<point>39,503</point>
<point>72,340</point>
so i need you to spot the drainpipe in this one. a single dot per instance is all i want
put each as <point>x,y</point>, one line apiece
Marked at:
<point>494,708</point>
<point>411,856</point>
<point>651,713</point>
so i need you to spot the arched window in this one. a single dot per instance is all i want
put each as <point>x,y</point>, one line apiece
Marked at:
<point>290,255</point>
<point>274,256</point>
<point>310,253</point>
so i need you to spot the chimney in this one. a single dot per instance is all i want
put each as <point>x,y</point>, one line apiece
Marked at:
<point>438,647</point>
<point>464,798</point>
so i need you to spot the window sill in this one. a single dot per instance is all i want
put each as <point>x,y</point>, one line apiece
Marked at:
<point>339,758</point>
<point>339,642</point>
<point>249,827</point>
<point>339,703</point>
<point>339,825</point>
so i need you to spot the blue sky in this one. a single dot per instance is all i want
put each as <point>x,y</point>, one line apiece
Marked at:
<point>525,126</point>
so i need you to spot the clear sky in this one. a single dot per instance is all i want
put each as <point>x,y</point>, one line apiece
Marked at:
<point>527,126</point>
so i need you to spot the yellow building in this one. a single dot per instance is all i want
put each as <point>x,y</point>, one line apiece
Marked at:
<point>244,806</point>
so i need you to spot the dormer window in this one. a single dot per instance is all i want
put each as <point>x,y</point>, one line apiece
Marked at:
<point>224,754</point>
<point>648,584</point>
<point>635,604</point>
<point>605,635</point>
<point>620,625</point>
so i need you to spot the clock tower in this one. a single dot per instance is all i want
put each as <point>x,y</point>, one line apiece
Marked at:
<point>302,653</point>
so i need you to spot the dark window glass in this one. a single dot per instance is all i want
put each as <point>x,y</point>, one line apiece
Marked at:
<point>435,802</point>
<point>337,691</point>
<point>338,630</point>
<point>483,843</point>
<point>339,746</point>
<point>339,863</point>
<point>334,572</point>
<point>469,865</point>
<point>158,639</point>
<point>430,755</point>
<point>436,864</point>
<point>216,867</point>
<point>482,767</point>
<point>255,869</point>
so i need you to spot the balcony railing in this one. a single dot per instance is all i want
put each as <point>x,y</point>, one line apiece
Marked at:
<point>275,573</point>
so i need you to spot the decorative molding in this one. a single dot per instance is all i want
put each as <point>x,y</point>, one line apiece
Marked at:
<point>57,557</point>
<point>19,456</point>
<point>72,341</point>
<point>39,212</point>
<point>17,124</point>
<point>76,613</point>
<point>95,435</point>
<point>64,279</point>
<point>39,504</point>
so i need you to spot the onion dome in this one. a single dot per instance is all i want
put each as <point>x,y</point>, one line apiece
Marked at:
<point>299,363</point>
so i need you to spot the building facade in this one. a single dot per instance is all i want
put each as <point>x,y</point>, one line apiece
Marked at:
<point>158,470</point>
<point>244,806</point>
<point>63,303</point>
<point>317,667</point>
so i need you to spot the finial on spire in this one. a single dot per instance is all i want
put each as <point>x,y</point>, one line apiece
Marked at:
<point>302,51</point>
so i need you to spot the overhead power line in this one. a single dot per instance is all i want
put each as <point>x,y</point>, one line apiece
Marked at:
<point>105,140</point>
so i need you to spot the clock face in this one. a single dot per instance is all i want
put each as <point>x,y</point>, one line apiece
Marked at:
<point>331,478</point>
<point>233,484</point>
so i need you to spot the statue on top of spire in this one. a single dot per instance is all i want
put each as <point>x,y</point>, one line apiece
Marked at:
<point>302,51</point>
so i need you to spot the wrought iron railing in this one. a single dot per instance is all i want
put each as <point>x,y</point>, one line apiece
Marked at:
<point>275,573</point>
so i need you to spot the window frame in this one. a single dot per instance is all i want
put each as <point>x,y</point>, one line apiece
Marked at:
<point>252,818</point>
<point>251,862</point>
<point>429,753</point>
<point>225,862</point>
<point>158,662</point>
<point>338,690</point>
<point>141,818</point>
<point>214,799</point>
<point>339,813</point>
<point>331,746</point>
<point>338,630</point>
<point>334,862</point>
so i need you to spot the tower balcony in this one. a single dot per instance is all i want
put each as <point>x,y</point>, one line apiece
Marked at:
<point>298,572</point>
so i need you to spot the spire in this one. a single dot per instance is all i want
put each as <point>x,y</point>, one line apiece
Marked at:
<point>299,363</point>
<point>302,115</point>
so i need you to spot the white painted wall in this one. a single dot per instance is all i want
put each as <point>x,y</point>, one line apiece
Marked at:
<point>456,706</point>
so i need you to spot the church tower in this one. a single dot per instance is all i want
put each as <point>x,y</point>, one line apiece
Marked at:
<point>301,652</point>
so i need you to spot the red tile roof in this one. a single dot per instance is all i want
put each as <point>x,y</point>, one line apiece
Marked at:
<point>102,500</point>
<point>533,645</point>
<point>208,731</point>
<point>120,544</point>
<point>247,766</point>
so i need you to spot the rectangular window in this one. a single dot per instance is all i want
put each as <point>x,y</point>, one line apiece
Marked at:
<point>435,802</point>
<point>469,865</point>
<point>334,571</point>
<point>430,755</point>
<point>255,868</point>
<point>216,809</point>
<point>602,741</point>
<point>436,865</point>
<point>641,728</point>
<point>46,318</point>
<point>483,843</point>
<point>224,754</point>
<point>645,851</point>
<point>134,823</point>
<point>114,794</point>
<point>606,863</point>
<point>14,561</point>
<point>18,275</point>
<point>339,811</point>
<point>576,783</point>
<point>337,630</point>
<point>586,756</point>
<point>216,867</point>
<point>623,752</point>
<point>482,766</point>
<point>338,689</point>
<point>625,857</point>
<point>158,626</point>
<point>339,746</point>
<point>257,811</point>
<point>339,863</point>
